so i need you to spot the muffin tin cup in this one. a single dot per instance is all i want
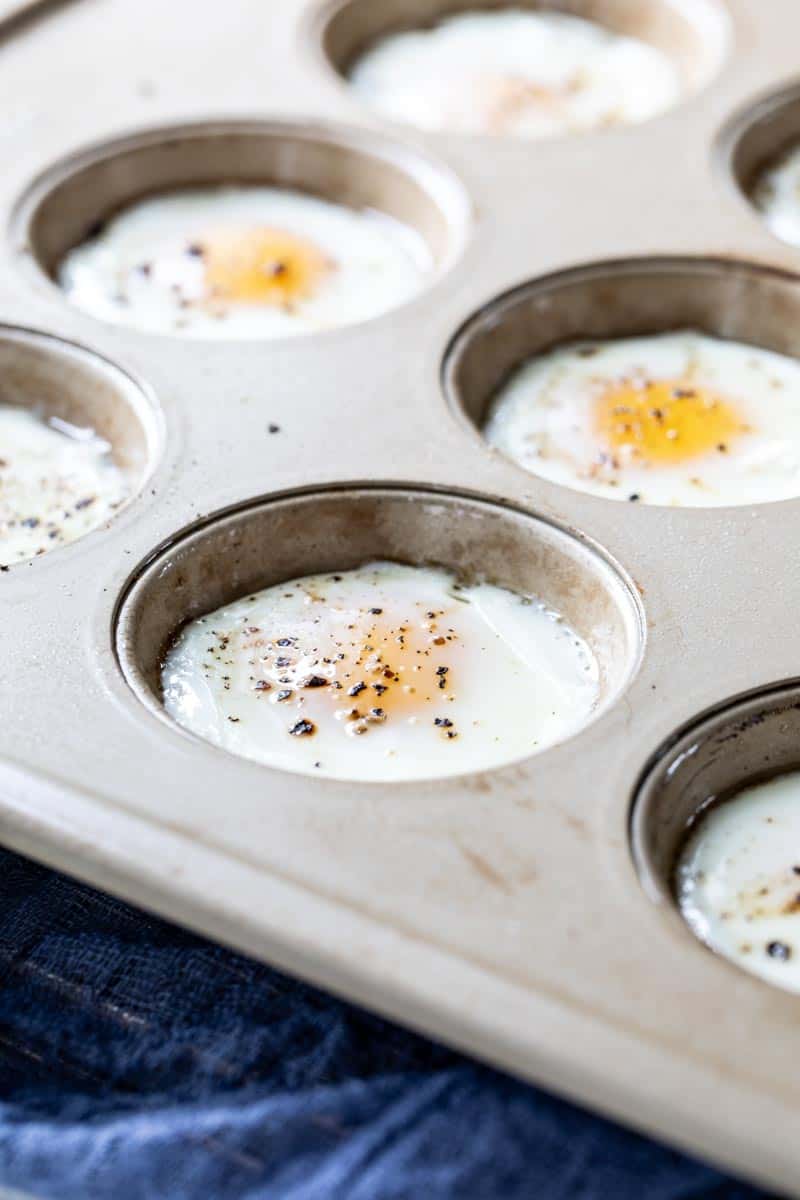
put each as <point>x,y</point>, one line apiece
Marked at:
<point>724,298</point>
<point>695,37</point>
<point>336,530</point>
<point>59,380</point>
<point>73,199</point>
<point>501,911</point>
<point>743,743</point>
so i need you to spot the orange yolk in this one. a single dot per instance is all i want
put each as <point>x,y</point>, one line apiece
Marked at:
<point>369,670</point>
<point>665,421</point>
<point>262,266</point>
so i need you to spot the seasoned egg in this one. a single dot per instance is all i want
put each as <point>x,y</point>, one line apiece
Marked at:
<point>57,482</point>
<point>515,73</point>
<point>379,673</point>
<point>738,880</point>
<point>777,196</point>
<point>679,419</point>
<point>244,262</point>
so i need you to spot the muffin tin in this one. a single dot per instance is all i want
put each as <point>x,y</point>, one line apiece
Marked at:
<point>523,914</point>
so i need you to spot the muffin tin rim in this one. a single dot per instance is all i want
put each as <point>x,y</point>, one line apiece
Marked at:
<point>629,602</point>
<point>141,398</point>
<point>432,173</point>
<point>317,18</point>
<point>675,749</point>
<point>494,310</point>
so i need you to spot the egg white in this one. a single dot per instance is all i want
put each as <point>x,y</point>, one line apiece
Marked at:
<point>511,677</point>
<point>455,76</point>
<point>57,482</point>
<point>738,880</point>
<point>136,271</point>
<point>542,419</point>
<point>777,196</point>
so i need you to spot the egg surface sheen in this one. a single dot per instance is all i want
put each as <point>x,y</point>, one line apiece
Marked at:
<point>385,672</point>
<point>57,482</point>
<point>515,73</point>
<point>738,880</point>
<point>680,419</point>
<point>244,262</point>
<point>777,196</point>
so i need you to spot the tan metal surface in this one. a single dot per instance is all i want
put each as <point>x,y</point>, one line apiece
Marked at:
<point>502,912</point>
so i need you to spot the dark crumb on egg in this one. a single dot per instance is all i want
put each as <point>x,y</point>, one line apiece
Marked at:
<point>315,681</point>
<point>195,250</point>
<point>376,612</point>
<point>234,720</point>
<point>722,448</point>
<point>357,689</point>
<point>443,722</point>
<point>284,694</point>
<point>303,728</point>
<point>273,428</point>
<point>779,950</point>
<point>634,496</point>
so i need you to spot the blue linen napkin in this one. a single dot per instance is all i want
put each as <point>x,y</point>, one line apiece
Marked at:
<point>138,1062</point>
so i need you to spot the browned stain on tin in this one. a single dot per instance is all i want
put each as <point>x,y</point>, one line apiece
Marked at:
<point>485,869</point>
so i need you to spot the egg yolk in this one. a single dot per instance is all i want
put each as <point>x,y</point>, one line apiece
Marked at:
<point>262,266</point>
<point>368,667</point>
<point>665,421</point>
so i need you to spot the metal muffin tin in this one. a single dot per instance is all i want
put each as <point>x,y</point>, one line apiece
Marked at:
<point>520,914</point>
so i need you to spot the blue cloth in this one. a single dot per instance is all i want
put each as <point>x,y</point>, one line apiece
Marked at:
<point>138,1062</point>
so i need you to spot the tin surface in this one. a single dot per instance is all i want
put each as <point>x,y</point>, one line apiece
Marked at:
<point>501,912</point>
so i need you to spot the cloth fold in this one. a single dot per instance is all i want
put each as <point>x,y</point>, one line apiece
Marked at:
<point>139,1062</point>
